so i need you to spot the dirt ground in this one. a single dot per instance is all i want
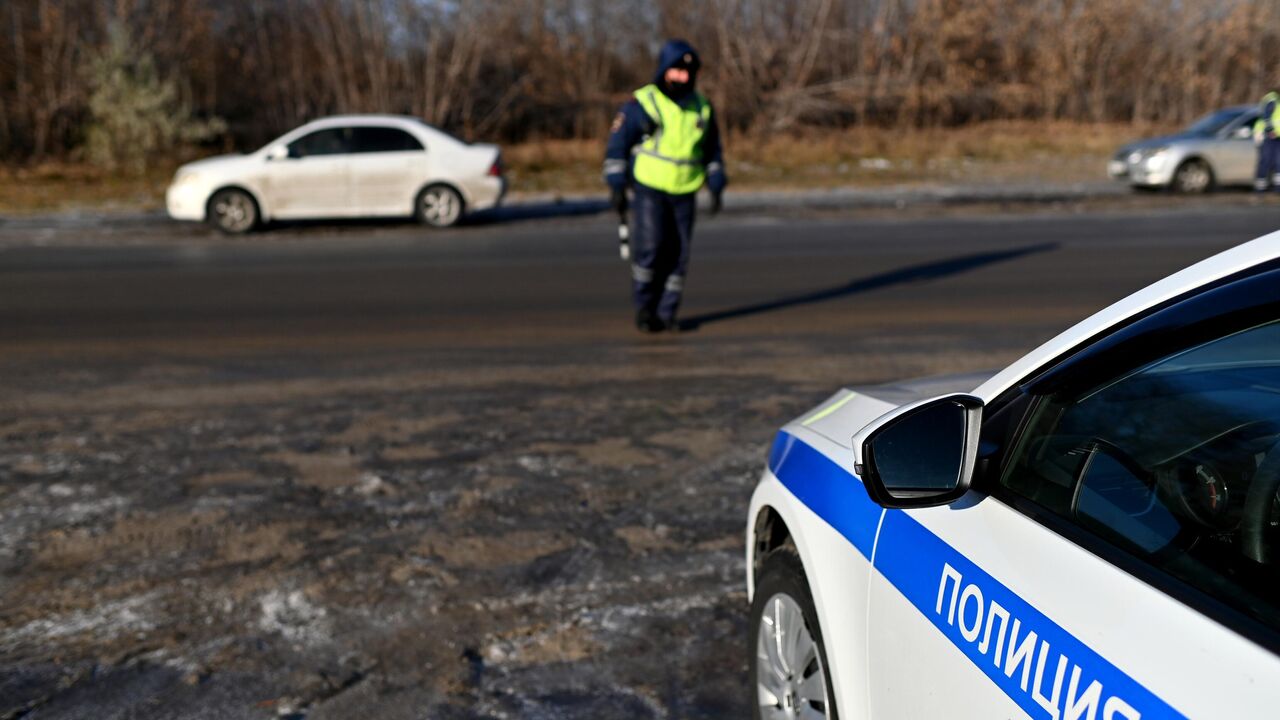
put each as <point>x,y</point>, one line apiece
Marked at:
<point>379,474</point>
<point>429,535</point>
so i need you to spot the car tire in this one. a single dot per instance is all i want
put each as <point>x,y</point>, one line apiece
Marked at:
<point>438,206</point>
<point>786,677</point>
<point>1193,177</point>
<point>232,211</point>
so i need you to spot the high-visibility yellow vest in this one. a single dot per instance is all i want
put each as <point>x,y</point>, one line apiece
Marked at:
<point>1264,124</point>
<point>670,159</point>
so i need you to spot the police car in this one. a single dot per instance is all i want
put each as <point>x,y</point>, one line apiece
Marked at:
<point>1091,533</point>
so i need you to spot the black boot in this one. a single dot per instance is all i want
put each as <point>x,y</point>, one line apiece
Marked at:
<point>648,321</point>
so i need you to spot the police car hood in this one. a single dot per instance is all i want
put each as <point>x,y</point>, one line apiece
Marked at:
<point>842,415</point>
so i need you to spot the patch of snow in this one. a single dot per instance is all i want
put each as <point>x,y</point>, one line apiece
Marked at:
<point>294,617</point>
<point>104,622</point>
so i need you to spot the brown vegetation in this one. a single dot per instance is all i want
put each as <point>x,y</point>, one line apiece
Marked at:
<point>977,153</point>
<point>511,70</point>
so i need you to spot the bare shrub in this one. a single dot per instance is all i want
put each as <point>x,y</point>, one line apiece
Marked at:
<point>514,70</point>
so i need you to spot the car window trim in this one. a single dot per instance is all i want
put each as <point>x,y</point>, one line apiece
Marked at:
<point>1086,349</point>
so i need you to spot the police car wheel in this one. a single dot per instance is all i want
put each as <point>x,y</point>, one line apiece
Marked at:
<point>232,211</point>
<point>439,206</point>
<point>1193,176</point>
<point>788,668</point>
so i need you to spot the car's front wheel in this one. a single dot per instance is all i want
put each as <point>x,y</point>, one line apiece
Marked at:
<point>439,206</point>
<point>789,672</point>
<point>1193,177</point>
<point>232,211</point>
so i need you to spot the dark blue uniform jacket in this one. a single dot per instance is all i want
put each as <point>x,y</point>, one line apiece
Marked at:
<point>632,124</point>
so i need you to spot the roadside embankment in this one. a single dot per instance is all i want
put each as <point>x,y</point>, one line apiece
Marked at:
<point>990,154</point>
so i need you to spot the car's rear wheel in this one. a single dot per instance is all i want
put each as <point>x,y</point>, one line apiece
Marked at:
<point>232,211</point>
<point>439,206</point>
<point>789,672</point>
<point>1193,177</point>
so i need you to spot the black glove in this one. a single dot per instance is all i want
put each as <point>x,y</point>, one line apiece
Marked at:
<point>716,203</point>
<point>618,199</point>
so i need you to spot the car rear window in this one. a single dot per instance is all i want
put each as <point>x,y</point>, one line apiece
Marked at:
<point>384,139</point>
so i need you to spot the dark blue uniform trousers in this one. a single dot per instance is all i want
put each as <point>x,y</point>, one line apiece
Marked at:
<point>661,236</point>
<point>1268,171</point>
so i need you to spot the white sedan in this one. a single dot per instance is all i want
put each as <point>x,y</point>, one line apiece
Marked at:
<point>342,167</point>
<point>1091,533</point>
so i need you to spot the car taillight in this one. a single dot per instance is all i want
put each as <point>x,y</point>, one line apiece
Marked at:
<point>495,170</point>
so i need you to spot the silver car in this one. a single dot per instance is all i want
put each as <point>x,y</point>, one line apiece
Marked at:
<point>1215,151</point>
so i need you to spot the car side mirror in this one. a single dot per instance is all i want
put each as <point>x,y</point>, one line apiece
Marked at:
<point>1243,132</point>
<point>277,152</point>
<point>922,454</point>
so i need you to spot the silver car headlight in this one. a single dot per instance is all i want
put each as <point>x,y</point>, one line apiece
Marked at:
<point>1156,159</point>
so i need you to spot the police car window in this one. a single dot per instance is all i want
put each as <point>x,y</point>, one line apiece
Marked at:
<point>384,139</point>
<point>1177,463</point>
<point>333,141</point>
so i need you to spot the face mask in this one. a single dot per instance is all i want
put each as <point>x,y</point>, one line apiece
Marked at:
<point>679,89</point>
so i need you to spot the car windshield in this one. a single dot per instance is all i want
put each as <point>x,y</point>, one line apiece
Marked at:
<point>1213,122</point>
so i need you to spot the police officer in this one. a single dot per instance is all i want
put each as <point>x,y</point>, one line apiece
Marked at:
<point>665,143</point>
<point>1266,135</point>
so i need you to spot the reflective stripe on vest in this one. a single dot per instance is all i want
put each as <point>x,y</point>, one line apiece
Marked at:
<point>670,159</point>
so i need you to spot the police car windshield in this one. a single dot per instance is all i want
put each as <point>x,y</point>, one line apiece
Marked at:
<point>1213,122</point>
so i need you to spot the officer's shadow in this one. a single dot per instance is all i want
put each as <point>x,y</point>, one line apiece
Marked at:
<point>914,273</point>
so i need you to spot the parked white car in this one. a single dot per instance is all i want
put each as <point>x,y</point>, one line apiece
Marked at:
<point>1092,533</point>
<point>349,166</point>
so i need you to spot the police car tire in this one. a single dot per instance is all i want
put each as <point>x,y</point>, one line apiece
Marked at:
<point>783,573</point>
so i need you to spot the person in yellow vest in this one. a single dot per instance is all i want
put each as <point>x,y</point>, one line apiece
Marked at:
<point>1266,135</point>
<point>664,144</point>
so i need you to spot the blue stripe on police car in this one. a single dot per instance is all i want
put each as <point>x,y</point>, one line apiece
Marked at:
<point>1043,668</point>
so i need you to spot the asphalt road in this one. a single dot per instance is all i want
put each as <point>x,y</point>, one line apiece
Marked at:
<point>374,469</point>
<point>560,282</point>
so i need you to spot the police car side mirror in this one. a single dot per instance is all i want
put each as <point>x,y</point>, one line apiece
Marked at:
<point>921,454</point>
<point>277,152</point>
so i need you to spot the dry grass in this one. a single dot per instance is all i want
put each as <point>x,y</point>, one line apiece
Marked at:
<point>994,152</point>
<point>63,187</point>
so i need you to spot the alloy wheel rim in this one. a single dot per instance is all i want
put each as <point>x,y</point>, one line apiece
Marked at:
<point>1194,178</point>
<point>439,207</point>
<point>234,212</point>
<point>790,682</point>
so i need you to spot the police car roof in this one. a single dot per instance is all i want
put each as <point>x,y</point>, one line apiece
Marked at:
<point>1236,260</point>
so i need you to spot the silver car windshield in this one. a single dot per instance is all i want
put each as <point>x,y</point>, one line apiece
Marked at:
<point>1213,122</point>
